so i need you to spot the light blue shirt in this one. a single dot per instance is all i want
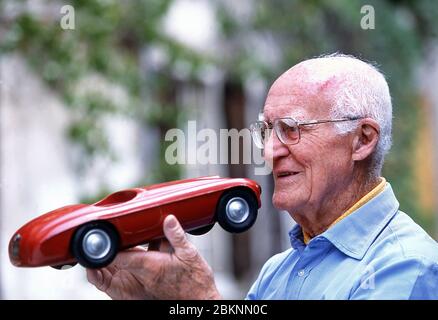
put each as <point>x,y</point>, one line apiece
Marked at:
<point>377,252</point>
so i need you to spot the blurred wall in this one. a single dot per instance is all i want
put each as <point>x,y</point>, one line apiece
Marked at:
<point>39,172</point>
<point>36,176</point>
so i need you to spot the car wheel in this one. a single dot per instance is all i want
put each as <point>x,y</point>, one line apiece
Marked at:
<point>95,245</point>
<point>64,266</point>
<point>237,210</point>
<point>201,231</point>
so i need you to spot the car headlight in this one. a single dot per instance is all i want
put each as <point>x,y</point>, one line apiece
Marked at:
<point>16,246</point>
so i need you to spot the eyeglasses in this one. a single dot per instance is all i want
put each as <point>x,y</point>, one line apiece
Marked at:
<point>287,129</point>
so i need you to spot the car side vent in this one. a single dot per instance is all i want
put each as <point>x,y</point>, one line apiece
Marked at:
<point>116,198</point>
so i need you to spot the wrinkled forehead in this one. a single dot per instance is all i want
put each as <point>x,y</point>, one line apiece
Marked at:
<point>300,93</point>
<point>284,107</point>
<point>298,107</point>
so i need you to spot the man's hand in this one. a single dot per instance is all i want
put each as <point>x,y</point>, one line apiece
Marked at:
<point>176,271</point>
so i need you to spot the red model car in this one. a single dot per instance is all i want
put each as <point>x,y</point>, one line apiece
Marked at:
<point>93,234</point>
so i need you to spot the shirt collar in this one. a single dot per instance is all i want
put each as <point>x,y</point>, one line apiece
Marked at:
<point>354,234</point>
<point>375,191</point>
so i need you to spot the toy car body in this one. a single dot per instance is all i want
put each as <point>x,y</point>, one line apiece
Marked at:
<point>93,234</point>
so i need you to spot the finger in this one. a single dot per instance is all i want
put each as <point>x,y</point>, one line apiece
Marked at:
<point>166,247</point>
<point>100,278</point>
<point>137,248</point>
<point>176,236</point>
<point>132,260</point>
<point>112,268</point>
<point>120,258</point>
<point>118,263</point>
<point>94,276</point>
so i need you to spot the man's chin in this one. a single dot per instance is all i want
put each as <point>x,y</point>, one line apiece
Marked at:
<point>280,203</point>
<point>285,201</point>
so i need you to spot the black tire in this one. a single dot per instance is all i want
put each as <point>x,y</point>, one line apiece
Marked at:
<point>242,196</point>
<point>64,266</point>
<point>100,259</point>
<point>201,231</point>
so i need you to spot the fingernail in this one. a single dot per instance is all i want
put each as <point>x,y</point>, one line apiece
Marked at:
<point>171,222</point>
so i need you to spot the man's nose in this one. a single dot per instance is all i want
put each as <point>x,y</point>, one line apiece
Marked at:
<point>274,148</point>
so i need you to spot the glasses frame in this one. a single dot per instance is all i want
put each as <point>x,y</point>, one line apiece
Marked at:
<point>274,125</point>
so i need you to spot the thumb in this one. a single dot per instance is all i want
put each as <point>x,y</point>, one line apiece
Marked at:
<point>176,236</point>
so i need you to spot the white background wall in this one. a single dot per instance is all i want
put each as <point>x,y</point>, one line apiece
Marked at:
<point>36,176</point>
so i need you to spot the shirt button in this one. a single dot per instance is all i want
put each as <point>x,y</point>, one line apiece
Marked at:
<point>301,273</point>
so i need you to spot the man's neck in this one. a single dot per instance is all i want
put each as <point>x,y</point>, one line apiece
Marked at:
<point>317,219</point>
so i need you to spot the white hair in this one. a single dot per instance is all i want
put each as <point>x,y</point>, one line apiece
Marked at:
<point>363,92</point>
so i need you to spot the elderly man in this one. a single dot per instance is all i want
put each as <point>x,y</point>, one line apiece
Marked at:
<point>325,129</point>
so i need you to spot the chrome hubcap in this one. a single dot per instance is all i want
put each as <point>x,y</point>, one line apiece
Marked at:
<point>237,210</point>
<point>96,244</point>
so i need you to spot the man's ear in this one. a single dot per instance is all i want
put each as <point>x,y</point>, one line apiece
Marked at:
<point>366,138</point>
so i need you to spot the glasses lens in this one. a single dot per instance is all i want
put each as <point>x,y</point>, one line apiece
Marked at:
<point>287,131</point>
<point>259,133</point>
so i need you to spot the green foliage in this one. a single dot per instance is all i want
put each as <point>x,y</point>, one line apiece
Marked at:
<point>305,29</point>
<point>110,36</point>
<point>108,39</point>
